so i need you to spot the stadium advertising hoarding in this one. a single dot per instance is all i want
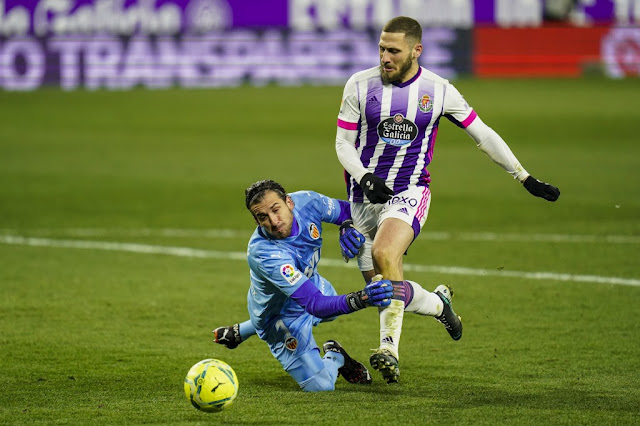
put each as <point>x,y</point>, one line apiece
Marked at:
<point>556,51</point>
<point>119,44</point>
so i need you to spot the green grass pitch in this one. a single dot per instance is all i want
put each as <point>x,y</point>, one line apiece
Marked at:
<point>134,203</point>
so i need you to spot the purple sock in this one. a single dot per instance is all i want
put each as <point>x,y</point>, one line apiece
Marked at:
<point>402,290</point>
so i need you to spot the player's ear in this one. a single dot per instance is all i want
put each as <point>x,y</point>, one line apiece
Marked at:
<point>417,50</point>
<point>289,203</point>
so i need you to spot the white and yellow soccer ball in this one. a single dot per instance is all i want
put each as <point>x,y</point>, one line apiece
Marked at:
<point>211,385</point>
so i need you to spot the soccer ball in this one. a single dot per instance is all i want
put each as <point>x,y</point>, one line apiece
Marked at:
<point>211,385</point>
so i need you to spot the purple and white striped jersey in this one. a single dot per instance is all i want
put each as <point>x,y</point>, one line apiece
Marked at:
<point>397,124</point>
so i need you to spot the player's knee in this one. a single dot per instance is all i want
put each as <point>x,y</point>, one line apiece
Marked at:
<point>321,382</point>
<point>384,257</point>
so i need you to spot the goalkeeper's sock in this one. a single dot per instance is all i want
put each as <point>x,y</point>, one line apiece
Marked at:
<point>246,330</point>
<point>424,302</point>
<point>391,326</point>
<point>333,361</point>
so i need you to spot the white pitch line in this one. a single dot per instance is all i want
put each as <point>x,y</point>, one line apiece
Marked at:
<point>140,232</point>
<point>235,233</point>
<point>224,255</point>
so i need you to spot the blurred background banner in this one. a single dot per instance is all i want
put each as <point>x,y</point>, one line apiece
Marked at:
<point>121,44</point>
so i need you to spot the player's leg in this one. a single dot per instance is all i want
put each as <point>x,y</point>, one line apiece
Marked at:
<point>314,373</point>
<point>352,370</point>
<point>391,242</point>
<point>411,207</point>
<point>292,343</point>
<point>436,304</point>
<point>366,220</point>
<point>398,224</point>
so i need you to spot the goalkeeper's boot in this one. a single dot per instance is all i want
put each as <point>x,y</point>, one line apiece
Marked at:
<point>387,364</point>
<point>228,336</point>
<point>352,370</point>
<point>451,321</point>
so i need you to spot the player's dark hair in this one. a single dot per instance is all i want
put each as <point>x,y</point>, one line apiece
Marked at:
<point>255,193</point>
<point>408,26</point>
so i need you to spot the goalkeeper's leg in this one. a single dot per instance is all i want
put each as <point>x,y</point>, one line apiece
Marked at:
<point>316,374</point>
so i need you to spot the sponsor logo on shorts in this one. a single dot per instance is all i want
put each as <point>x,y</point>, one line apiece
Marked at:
<point>398,199</point>
<point>397,130</point>
<point>425,103</point>
<point>313,231</point>
<point>403,210</point>
<point>290,274</point>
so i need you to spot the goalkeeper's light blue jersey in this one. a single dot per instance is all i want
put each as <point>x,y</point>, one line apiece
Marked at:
<point>279,266</point>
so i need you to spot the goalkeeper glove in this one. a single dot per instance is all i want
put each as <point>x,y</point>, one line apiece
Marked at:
<point>377,293</point>
<point>375,189</point>
<point>228,336</point>
<point>350,240</point>
<point>541,189</point>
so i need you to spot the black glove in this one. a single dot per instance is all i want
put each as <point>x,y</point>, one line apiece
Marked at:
<point>375,189</point>
<point>228,336</point>
<point>541,189</point>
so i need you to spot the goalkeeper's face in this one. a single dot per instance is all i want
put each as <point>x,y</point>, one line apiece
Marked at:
<point>274,214</point>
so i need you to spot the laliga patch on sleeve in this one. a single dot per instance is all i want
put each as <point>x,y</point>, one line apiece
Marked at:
<point>290,274</point>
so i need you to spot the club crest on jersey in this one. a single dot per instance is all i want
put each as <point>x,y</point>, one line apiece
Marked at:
<point>425,104</point>
<point>290,274</point>
<point>313,231</point>
<point>397,130</point>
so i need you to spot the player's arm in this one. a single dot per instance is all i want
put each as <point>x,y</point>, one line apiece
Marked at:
<point>377,293</point>
<point>492,144</point>
<point>373,186</point>
<point>231,336</point>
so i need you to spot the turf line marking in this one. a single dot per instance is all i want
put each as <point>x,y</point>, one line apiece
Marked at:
<point>224,255</point>
<point>235,233</point>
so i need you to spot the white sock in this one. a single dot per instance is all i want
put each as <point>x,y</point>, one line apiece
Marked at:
<point>424,302</point>
<point>391,326</point>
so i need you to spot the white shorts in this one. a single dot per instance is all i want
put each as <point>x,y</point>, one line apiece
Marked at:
<point>410,206</point>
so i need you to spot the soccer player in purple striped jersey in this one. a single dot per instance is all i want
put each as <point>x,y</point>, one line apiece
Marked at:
<point>387,127</point>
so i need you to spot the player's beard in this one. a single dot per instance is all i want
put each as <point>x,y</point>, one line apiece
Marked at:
<point>400,74</point>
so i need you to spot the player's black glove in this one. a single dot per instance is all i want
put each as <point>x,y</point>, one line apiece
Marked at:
<point>375,189</point>
<point>377,293</point>
<point>228,336</point>
<point>350,240</point>
<point>541,189</point>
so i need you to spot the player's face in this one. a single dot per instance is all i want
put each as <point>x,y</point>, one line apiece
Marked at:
<point>274,214</point>
<point>398,60</point>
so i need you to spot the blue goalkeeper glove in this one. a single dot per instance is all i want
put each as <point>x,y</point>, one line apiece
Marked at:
<point>541,189</point>
<point>377,293</point>
<point>350,240</point>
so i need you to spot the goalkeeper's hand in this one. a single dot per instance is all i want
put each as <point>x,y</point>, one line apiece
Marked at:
<point>378,292</point>
<point>228,336</point>
<point>541,189</point>
<point>375,189</point>
<point>350,240</point>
